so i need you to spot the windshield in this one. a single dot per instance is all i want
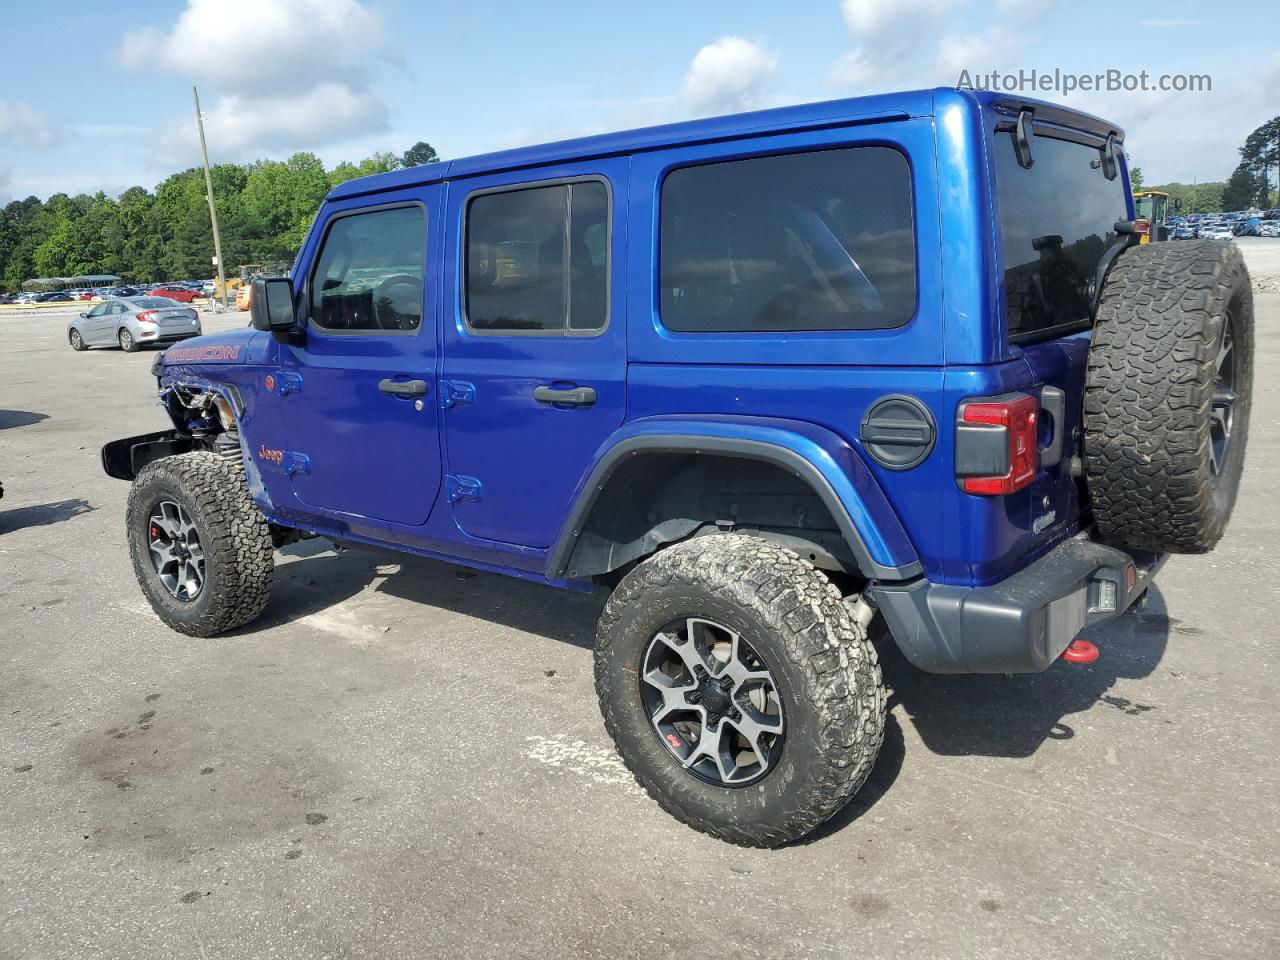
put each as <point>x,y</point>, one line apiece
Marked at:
<point>1056,221</point>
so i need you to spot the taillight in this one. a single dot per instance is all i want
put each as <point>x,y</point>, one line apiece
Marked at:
<point>1141,226</point>
<point>146,316</point>
<point>996,444</point>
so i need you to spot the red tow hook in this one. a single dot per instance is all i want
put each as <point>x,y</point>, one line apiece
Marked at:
<point>1080,651</point>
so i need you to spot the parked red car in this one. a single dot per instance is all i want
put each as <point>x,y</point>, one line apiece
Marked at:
<point>181,294</point>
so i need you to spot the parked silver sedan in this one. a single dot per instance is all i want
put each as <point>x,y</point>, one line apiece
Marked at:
<point>130,322</point>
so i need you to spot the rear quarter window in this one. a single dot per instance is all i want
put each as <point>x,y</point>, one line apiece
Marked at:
<point>1057,219</point>
<point>812,241</point>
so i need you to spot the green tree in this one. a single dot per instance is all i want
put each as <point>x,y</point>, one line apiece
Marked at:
<point>1261,152</point>
<point>281,200</point>
<point>264,212</point>
<point>342,173</point>
<point>379,163</point>
<point>1244,188</point>
<point>138,237</point>
<point>420,153</point>
<point>1135,179</point>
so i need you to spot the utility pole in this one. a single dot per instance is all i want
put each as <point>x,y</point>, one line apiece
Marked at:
<point>213,210</point>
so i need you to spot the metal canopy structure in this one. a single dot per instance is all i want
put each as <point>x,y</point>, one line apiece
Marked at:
<point>61,283</point>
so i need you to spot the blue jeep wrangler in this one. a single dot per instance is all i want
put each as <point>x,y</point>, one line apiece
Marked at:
<point>759,378</point>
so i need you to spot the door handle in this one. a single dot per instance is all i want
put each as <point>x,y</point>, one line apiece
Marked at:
<point>403,388</point>
<point>575,396</point>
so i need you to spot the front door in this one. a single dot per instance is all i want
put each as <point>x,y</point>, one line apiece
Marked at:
<point>92,326</point>
<point>534,368</point>
<point>359,395</point>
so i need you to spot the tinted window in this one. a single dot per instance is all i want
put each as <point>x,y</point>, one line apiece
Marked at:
<point>156,302</point>
<point>537,259</point>
<point>1056,221</point>
<point>368,275</point>
<point>808,241</point>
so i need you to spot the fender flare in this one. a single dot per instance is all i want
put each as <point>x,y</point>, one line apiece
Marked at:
<point>824,460</point>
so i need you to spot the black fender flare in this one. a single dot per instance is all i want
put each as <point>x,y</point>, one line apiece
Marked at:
<point>767,441</point>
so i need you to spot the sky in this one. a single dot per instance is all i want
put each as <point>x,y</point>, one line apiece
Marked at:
<point>99,97</point>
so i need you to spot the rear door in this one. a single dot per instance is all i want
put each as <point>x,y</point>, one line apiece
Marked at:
<point>359,395</point>
<point>1056,220</point>
<point>534,348</point>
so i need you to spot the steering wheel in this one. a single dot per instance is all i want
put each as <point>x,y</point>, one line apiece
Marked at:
<point>397,302</point>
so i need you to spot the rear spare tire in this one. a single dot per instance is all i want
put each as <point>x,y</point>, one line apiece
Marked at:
<point>1167,395</point>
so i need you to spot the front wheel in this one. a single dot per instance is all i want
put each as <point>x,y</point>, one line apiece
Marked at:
<point>201,549</point>
<point>738,689</point>
<point>77,341</point>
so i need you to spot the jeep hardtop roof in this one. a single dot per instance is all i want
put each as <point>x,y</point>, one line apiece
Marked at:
<point>806,116</point>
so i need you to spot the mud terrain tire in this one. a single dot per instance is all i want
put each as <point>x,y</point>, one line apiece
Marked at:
<point>1173,318</point>
<point>827,677</point>
<point>233,533</point>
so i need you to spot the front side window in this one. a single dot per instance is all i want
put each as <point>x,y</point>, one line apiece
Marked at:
<point>807,241</point>
<point>368,275</point>
<point>538,259</point>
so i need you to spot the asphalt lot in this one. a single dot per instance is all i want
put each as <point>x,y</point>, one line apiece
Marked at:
<point>398,762</point>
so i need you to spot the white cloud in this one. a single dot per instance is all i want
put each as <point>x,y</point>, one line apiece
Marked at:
<point>1170,24</point>
<point>277,73</point>
<point>855,70</point>
<point>727,76</point>
<point>1025,8</point>
<point>913,42</point>
<point>241,125</point>
<point>22,123</point>
<point>872,16</point>
<point>5,194</point>
<point>957,53</point>
<point>250,46</point>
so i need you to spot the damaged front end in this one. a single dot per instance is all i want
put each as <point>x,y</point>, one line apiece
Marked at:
<point>204,418</point>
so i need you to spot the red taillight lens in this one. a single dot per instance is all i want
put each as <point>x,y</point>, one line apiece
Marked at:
<point>1141,226</point>
<point>1017,417</point>
<point>146,316</point>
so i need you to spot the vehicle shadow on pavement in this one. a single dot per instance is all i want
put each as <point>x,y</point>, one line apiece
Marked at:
<point>42,515</point>
<point>319,579</point>
<point>1011,716</point>
<point>888,765</point>
<point>20,418</point>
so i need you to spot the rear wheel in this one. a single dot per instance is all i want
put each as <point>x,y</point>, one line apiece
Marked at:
<point>201,549</point>
<point>738,689</point>
<point>127,343</point>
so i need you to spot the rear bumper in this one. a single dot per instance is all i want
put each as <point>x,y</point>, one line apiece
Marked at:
<point>1022,624</point>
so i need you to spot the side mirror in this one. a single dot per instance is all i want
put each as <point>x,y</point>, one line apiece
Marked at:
<point>271,305</point>
<point>83,315</point>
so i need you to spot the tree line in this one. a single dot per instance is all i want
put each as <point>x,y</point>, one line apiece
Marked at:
<point>264,212</point>
<point>1248,186</point>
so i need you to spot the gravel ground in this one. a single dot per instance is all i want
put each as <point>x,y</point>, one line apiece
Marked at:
<point>400,762</point>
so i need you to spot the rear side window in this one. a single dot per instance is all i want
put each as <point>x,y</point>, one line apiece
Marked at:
<point>807,241</point>
<point>538,259</point>
<point>1057,219</point>
<point>368,275</point>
